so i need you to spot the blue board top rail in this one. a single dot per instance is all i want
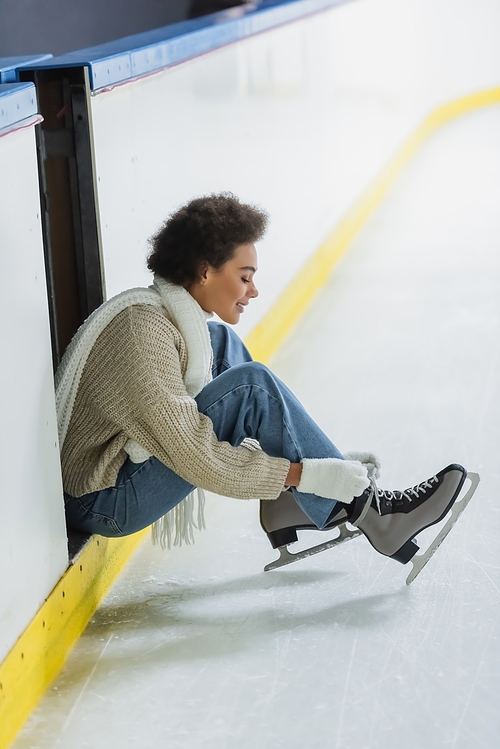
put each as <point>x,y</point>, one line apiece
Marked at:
<point>10,66</point>
<point>17,102</point>
<point>133,56</point>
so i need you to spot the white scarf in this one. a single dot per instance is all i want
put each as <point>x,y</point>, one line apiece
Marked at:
<point>191,321</point>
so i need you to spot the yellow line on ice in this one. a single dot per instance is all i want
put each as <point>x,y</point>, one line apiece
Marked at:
<point>39,654</point>
<point>266,337</point>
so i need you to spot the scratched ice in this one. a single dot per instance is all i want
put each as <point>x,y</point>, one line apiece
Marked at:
<point>398,354</point>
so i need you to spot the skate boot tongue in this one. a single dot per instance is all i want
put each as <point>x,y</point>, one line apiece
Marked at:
<point>360,506</point>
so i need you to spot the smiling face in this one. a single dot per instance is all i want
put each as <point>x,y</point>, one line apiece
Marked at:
<point>228,290</point>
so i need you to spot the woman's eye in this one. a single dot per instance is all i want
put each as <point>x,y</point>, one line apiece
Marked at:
<point>245,280</point>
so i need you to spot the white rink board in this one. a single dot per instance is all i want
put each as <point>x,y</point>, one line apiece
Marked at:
<point>239,119</point>
<point>299,119</point>
<point>33,546</point>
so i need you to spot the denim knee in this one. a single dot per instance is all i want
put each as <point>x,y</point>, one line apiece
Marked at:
<point>219,331</point>
<point>228,348</point>
<point>256,373</point>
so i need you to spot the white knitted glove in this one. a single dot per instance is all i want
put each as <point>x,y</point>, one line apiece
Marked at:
<point>333,478</point>
<point>369,460</point>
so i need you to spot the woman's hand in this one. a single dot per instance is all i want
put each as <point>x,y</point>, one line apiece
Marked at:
<point>333,478</point>
<point>369,460</point>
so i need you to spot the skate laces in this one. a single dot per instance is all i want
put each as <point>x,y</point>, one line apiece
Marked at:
<point>410,494</point>
<point>374,493</point>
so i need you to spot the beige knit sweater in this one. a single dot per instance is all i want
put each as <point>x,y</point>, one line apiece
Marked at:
<point>132,388</point>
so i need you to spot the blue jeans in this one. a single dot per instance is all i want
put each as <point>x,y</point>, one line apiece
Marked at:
<point>244,399</point>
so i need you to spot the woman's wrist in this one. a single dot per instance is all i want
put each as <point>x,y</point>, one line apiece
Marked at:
<point>294,474</point>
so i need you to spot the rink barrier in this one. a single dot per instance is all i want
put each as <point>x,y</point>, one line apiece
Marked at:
<point>113,63</point>
<point>41,651</point>
<point>18,103</point>
<point>10,66</point>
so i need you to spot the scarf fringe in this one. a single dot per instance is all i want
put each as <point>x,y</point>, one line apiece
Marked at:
<point>180,522</point>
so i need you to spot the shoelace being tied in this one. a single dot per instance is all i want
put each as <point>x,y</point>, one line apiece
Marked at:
<point>410,494</point>
<point>389,495</point>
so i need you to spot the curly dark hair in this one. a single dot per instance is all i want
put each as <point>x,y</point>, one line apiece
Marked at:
<point>205,232</point>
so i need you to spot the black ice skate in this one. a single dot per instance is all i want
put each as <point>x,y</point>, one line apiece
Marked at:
<point>390,520</point>
<point>282,518</point>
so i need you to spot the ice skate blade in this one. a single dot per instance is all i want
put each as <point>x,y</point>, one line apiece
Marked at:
<point>287,557</point>
<point>420,560</point>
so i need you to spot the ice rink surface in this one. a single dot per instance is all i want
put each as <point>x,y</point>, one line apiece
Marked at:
<point>399,354</point>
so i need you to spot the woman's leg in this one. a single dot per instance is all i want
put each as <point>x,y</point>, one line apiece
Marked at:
<point>244,400</point>
<point>143,493</point>
<point>230,351</point>
<point>248,400</point>
<point>227,347</point>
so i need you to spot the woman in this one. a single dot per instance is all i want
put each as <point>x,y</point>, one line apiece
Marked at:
<point>153,402</point>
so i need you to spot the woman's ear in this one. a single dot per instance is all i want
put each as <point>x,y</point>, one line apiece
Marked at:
<point>203,275</point>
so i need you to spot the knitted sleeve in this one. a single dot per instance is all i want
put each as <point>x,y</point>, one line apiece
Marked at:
<point>134,380</point>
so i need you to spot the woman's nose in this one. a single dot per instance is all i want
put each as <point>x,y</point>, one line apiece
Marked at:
<point>253,291</point>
